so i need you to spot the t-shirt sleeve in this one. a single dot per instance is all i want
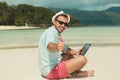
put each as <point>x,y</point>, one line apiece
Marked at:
<point>50,37</point>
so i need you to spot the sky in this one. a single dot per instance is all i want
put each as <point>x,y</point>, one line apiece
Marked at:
<point>79,4</point>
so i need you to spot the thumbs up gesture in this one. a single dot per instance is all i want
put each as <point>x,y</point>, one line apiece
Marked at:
<point>60,44</point>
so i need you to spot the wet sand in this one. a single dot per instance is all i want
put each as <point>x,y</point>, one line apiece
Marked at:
<point>23,63</point>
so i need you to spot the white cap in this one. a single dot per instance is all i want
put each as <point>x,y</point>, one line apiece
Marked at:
<point>59,13</point>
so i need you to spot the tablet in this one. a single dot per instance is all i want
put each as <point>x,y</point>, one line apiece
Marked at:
<point>85,48</point>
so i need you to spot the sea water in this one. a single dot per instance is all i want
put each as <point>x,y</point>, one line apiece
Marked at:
<point>102,35</point>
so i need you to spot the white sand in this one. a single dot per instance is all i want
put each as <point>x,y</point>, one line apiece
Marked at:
<point>15,27</point>
<point>23,64</point>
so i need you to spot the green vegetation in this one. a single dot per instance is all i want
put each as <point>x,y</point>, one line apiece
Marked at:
<point>23,13</point>
<point>19,15</point>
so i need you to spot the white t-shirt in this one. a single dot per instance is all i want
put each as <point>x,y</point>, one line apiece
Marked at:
<point>47,58</point>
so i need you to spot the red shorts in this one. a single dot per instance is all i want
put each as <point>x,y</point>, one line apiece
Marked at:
<point>58,72</point>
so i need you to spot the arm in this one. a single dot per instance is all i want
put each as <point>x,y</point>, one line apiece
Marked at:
<point>73,52</point>
<point>56,47</point>
<point>52,47</point>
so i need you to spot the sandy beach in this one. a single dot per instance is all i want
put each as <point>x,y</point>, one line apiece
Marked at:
<point>23,63</point>
<point>16,27</point>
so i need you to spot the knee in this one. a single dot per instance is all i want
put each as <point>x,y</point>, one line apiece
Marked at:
<point>82,59</point>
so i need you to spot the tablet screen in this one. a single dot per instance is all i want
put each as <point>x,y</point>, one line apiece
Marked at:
<point>85,48</point>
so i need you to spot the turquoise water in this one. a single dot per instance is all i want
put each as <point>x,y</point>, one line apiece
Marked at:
<point>72,36</point>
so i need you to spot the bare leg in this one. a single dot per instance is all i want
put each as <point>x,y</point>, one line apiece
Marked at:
<point>75,64</point>
<point>87,73</point>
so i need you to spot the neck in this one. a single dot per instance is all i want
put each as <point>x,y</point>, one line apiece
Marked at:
<point>57,29</point>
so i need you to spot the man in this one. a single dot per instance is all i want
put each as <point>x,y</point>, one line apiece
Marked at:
<point>56,58</point>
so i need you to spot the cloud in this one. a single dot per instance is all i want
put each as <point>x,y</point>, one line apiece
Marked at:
<point>80,4</point>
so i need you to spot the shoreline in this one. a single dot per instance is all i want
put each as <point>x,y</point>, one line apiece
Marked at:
<point>16,27</point>
<point>70,45</point>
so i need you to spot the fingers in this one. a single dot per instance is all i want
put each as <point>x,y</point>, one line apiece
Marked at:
<point>79,50</point>
<point>60,38</point>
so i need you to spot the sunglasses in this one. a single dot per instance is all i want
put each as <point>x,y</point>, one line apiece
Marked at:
<point>61,23</point>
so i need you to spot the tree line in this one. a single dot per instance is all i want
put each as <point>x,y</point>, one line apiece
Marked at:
<point>21,14</point>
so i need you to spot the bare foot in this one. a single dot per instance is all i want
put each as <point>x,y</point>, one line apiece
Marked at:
<point>87,73</point>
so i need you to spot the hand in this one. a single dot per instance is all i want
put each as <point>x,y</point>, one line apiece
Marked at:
<point>79,50</point>
<point>60,44</point>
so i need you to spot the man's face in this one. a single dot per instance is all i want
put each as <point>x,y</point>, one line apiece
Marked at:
<point>61,23</point>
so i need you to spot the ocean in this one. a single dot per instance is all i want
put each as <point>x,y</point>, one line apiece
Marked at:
<point>98,36</point>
